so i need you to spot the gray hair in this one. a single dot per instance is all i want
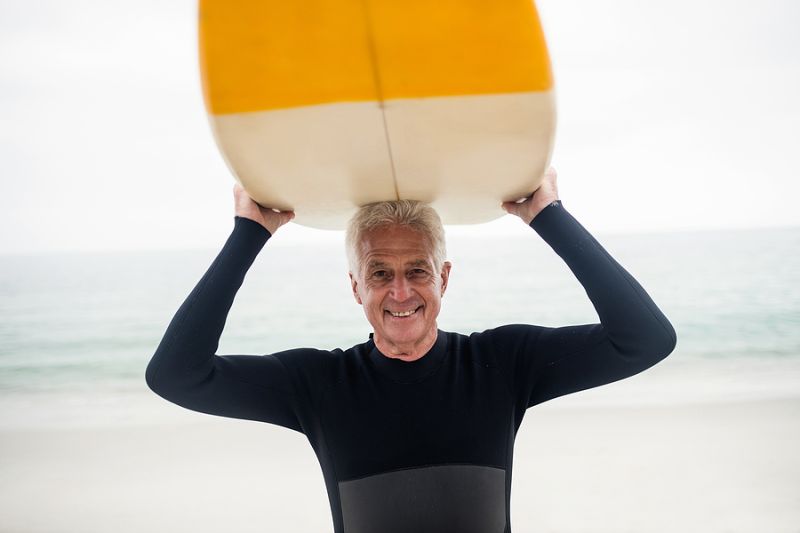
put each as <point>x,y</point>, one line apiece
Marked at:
<point>413,214</point>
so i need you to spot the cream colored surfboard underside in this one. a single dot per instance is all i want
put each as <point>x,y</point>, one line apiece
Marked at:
<point>463,154</point>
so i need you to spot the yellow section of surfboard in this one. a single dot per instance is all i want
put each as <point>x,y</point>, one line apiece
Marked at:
<point>324,105</point>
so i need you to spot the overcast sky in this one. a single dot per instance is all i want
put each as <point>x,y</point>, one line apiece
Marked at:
<point>672,116</point>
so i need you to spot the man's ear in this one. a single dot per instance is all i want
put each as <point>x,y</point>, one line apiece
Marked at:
<point>354,285</point>
<point>445,275</point>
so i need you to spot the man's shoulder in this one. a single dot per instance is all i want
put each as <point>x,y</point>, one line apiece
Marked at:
<point>501,340</point>
<point>496,334</point>
<point>308,357</point>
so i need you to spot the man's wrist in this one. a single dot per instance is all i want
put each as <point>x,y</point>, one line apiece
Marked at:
<point>252,226</point>
<point>555,204</point>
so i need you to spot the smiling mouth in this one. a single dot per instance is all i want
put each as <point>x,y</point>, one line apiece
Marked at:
<point>403,314</point>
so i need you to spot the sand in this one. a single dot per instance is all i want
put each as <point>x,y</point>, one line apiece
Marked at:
<point>727,467</point>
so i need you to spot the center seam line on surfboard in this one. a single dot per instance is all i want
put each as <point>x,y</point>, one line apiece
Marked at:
<point>376,76</point>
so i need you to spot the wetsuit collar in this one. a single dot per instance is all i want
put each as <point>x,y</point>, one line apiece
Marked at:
<point>408,371</point>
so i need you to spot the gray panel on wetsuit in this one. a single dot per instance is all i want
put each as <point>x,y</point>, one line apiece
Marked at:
<point>432,499</point>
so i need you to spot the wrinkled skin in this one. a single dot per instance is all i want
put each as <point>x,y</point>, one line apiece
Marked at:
<point>397,276</point>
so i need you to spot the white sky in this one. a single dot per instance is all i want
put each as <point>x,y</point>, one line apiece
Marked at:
<point>672,115</point>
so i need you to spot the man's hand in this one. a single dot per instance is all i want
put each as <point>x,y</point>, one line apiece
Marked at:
<point>246,207</point>
<point>546,194</point>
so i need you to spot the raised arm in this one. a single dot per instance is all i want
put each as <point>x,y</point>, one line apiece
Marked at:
<point>185,368</point>
<point>633,333</point>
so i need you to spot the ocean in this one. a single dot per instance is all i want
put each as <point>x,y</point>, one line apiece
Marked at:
<point>78,329</point>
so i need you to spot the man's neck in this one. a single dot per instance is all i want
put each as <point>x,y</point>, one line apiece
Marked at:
<point>407,352</point>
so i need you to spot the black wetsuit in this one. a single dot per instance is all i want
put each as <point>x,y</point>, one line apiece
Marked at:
<point>423,446</point>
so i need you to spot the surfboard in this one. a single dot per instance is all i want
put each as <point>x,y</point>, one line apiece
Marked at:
<point>322,106</point>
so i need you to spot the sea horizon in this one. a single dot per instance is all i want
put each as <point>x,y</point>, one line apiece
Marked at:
<point>78,328</point>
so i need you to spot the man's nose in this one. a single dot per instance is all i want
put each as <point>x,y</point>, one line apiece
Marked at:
<point>400,289</point>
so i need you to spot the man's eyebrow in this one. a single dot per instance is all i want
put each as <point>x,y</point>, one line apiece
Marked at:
<point>375,264</point>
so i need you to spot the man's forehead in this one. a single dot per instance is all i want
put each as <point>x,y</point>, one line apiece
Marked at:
<point>395,242</point>
<point>396,239</point>
<point>382,262</point>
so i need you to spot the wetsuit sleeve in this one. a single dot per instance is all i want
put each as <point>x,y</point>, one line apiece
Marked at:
<point>185,368</point>
<point>633,333</point>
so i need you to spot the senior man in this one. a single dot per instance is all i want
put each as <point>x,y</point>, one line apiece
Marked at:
<point>414,428</point>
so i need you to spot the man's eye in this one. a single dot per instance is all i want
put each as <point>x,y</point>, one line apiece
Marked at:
<point>380,274</point>
<point>417,272</point>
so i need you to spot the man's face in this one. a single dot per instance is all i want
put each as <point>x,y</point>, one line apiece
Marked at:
<point>398,286</point>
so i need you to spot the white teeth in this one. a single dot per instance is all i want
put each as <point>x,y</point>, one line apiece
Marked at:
<point>406,313</point>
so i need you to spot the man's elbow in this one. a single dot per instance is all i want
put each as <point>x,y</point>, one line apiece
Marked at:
<point>155,380</point>
<point>150,377</point>
<point>668,340</point>
<point>649,346</point>
<point>658,345</point>
<point>172,383</point>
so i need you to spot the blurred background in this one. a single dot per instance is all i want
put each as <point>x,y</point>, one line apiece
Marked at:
<point>676,147</point>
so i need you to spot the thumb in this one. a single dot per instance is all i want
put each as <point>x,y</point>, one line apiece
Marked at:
<point>514,208</point>
<point>279,218</point>
<point>286,216</point>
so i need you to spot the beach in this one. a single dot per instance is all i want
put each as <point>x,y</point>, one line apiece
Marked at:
<point>710,467</point>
